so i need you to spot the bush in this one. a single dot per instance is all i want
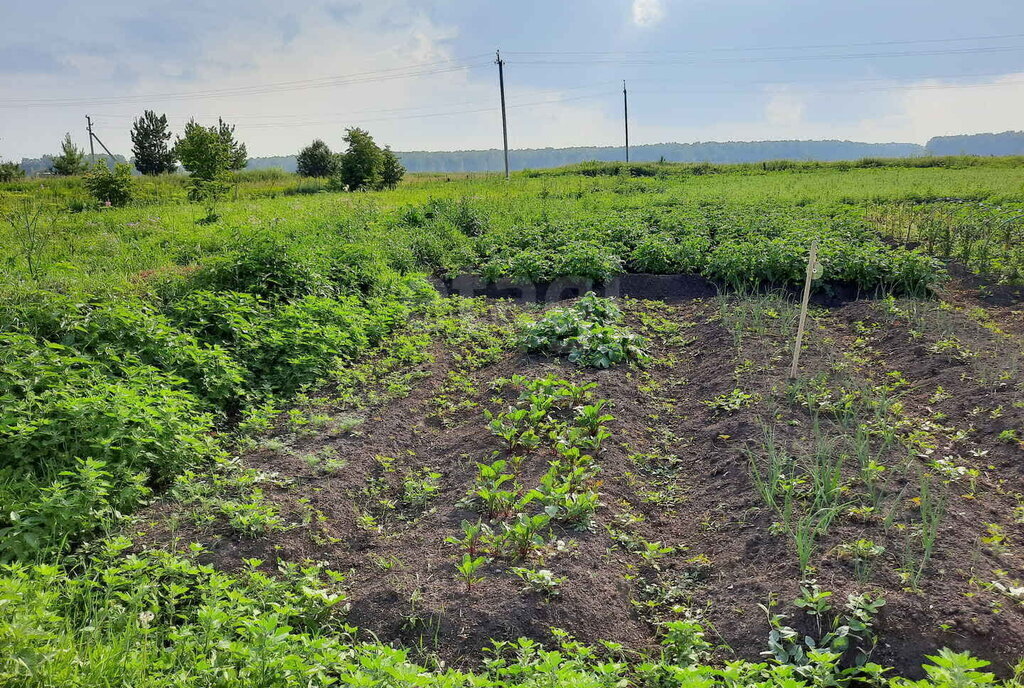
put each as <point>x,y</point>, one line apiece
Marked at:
<point>9,171</point>
<point>587,333</point>
<point>262,266</point>
<point>61,406</point>
<point>46,520</point>
<point>589,260</point>
<point>110,187</point>
<point>107,330</point>
<point>289,345</point>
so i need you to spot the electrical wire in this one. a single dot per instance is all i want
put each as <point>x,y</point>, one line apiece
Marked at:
<point>276,87</point>
<point>764,59</point>
<point>769,47</point>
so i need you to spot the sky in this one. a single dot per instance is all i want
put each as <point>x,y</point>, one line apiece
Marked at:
<point>421,74</point>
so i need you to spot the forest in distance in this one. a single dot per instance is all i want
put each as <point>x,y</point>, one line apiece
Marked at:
<point>490,160</point>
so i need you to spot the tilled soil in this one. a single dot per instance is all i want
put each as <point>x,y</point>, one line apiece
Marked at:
<point>684,468</point>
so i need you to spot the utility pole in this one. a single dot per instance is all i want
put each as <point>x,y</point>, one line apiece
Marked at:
<point>94,137</point>
<point>504,121</point>
<point>625,116</point>
<point>92,152</point>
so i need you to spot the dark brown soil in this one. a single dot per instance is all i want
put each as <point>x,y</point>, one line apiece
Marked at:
<point>695,494</point>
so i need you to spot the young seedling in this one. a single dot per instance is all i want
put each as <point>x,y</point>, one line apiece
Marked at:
<point>591,418</point>
<point>543,581</point>
<point>467,571</point>
<point>524,534</point>
<point>473,537</point>
<point>651,552</point>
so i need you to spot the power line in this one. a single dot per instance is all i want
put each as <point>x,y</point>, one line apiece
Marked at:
<point>250,116</point>
<point>276,87</point>
<point>491,109</point>
<point>767,59</point>
<point>415,112</point>
<point>769,47</point>
<point>913,87</point>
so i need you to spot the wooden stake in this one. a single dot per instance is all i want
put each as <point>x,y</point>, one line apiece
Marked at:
<point>812,261</point>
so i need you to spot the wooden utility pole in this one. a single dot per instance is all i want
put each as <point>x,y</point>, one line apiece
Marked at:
<point>92,151</point>
<point>625,116</point>
<point>813,272</point>
<point>504,121</point>
<point>94,137</point>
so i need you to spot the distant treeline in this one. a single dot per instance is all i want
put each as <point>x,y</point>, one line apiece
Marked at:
<point>726,152</point>
<point>1006,143</point>
<point>655,169</point>
<point>36,166</point>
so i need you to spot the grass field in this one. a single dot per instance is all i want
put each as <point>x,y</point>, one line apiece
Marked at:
<point>263,450</point>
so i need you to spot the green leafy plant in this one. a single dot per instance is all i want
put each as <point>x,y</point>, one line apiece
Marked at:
<point>419,487</point>
<point>110,187</point>
<point>542,581</point>
<point>468,570</point>
<point>730,402</point>
<point>587,333</point>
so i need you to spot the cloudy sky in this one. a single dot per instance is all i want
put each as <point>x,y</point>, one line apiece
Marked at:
<point>420,75</point>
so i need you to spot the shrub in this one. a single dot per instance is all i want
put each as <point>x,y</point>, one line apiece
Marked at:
<point>61,406</point>
<point>316,160</point>
<point>286,346</point>
<point>585,259</point>
<point>46,520</point>
<point>9,171</point>
<point>110,187</point>
<point>261,266</point>
<point>109,329</point>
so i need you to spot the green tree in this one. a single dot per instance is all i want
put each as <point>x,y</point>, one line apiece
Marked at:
<point>391,169</point>
<point>150,136</point>
<point>205,154</point>
<point>317,160</point>
<point>237,155</point>
<point>360,165</point>
<point>9,171</point>
<point>202,151</point>
<point>71,160</point>
<point>111,187</point>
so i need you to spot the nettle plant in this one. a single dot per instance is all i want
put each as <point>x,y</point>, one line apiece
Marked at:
<point>588,333</point>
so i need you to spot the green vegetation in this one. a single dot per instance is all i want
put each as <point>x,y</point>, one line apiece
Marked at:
<point>150,136</point>
<point>71,160</point>
<point>316,160</point>
<point>587,333</point>
<point>150,354</point>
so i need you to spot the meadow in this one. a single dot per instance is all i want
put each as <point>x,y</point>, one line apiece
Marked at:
<point>262,449</point>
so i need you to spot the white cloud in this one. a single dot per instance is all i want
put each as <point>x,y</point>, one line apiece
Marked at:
<point>408,113</point>
<point>884,112</point>
<point>647,13</point>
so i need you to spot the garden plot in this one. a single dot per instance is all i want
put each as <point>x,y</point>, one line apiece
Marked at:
<point>477,492</point>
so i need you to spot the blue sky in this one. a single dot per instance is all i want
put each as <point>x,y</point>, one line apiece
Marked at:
<point>420,74</point>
